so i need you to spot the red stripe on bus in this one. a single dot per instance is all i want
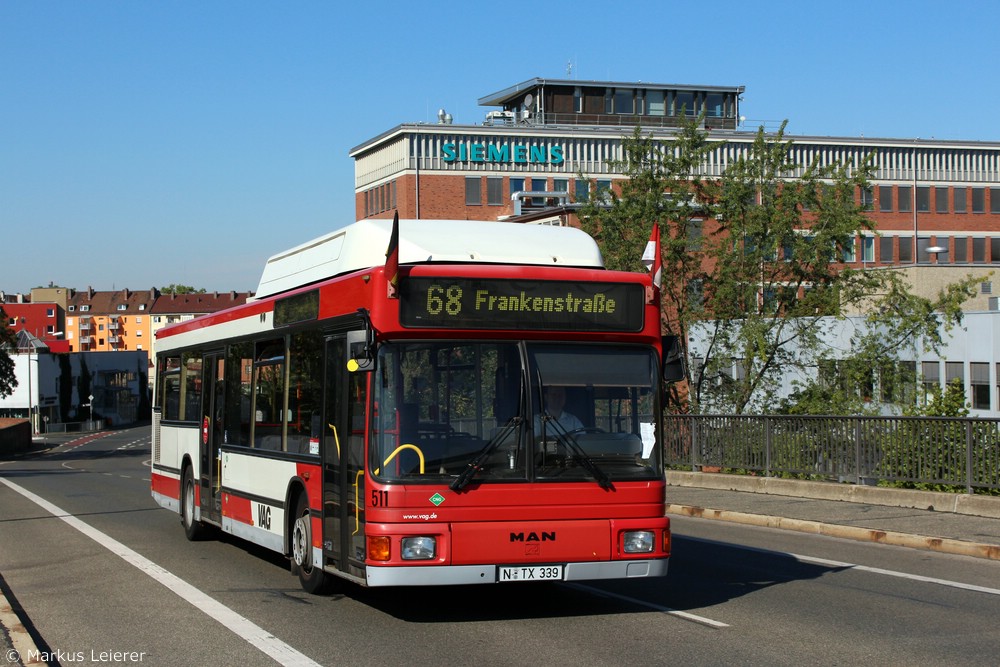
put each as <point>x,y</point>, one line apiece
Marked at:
<point>237,508</point>
<point>166,486</point>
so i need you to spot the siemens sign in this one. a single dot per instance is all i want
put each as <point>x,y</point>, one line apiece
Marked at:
<point>512,153</point>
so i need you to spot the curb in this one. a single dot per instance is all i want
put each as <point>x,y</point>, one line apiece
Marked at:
<point>858,534</point>
<point>24,649</point>
<point>956,503</point>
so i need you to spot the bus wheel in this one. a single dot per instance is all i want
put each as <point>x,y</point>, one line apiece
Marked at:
<point>192,528</point>
<point>311,576</point>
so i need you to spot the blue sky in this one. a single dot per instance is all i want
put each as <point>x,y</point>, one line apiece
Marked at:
<point>144,143</point>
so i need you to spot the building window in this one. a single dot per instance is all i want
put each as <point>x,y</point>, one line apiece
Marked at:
<point>885,249</point>
<point>904,199</point>
<point>885,198</point>
<point>867,199</point>
<point>941,200</point>
<point>138,320</point>
<point>537,185</point>
<point>978,200</point>
<point>905,249</point>
<point>930,378</point>
<point>655,103</point>
<point>867,248</point>
<point>923,199</point>
<point>959,195</point>
<point>494,190</point>
<point>994,200</point>
<point>954,371</point>
<point>995,249</point>
<point>85,309</point>
<point>850,253</point>
<point>581,190</point>
<point>961,254</point>
<point>713,105</point>
<point>516,185</point>
<point>560,185</point>
<point>624,101</point>
<point>694,233</point>
<point>942,241</point>
<point>122,306</point>
<point>978,250</point>
<point>50,312</point>
<point>684,101</point>
<point>473,191</point>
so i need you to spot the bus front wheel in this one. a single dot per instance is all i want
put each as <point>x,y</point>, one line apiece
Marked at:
<point>193,528</point>
<point>311,576</point>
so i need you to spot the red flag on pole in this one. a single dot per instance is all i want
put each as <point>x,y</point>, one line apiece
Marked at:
<point>392,259</point>
<point>651,257</point>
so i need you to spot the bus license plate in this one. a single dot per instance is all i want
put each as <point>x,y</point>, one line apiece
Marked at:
<point>529,573</point>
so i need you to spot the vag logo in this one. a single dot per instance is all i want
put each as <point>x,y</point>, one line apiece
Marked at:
<point>263,516</point>
<point>533,537</point>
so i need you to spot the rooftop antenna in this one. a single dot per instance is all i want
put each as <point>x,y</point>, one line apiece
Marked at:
<point>569,69</point>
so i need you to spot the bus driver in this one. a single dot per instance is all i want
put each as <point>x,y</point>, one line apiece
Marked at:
<point>555,400</point>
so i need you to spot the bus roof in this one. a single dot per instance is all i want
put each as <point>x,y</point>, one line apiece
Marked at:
<point>363,245</point>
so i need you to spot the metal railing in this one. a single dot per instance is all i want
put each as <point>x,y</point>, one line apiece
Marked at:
<point>955,452</point>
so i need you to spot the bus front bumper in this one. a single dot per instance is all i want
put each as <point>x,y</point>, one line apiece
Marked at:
<point>451,575</point>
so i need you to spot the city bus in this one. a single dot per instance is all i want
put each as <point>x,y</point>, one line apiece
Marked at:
<point>425,402</point>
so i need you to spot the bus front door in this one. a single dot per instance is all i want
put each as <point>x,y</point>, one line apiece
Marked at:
<point>343,462</point>
<point>212,429</point>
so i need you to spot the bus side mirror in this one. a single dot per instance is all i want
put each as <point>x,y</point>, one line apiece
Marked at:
<point>360,352</point>
<point>673,360</point>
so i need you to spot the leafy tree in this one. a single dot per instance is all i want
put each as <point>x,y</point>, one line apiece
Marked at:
<point>181,289</point>
<point>751,265</point>
<point>8,342</point>
<point>897,322</point>
<point>664,184</point>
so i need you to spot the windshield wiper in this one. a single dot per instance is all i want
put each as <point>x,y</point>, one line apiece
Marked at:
<point>579,455</point>
<point>476,464</point>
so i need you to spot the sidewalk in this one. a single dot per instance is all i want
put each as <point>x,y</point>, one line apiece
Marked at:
<point>949,523</point>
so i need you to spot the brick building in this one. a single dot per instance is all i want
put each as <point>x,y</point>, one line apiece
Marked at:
<point>547,144</point>
<point>524,161</point>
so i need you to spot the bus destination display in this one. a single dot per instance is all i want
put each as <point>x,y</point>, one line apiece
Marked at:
<point>477,303</point>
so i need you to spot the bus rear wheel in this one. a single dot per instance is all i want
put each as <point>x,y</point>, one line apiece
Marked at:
<point>311,576</point>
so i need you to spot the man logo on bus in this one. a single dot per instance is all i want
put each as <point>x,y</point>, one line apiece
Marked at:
<point>533,537</point>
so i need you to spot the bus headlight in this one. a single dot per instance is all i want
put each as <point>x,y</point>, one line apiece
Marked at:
<point>418,548</point>
<point>638,542</point>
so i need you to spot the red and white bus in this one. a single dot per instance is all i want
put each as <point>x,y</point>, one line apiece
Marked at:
<point>396,422</point>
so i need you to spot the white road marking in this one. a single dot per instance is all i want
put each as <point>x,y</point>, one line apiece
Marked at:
<point>862,568</point>
<point>643,603</point>
<point>243,627</point>
<point>894,573</point>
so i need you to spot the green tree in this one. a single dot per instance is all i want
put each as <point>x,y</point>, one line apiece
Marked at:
<point>663,184</point>
<point>181,289</point>
<point>897,324</point>
<point>751,263</point>
<point>8,343</point>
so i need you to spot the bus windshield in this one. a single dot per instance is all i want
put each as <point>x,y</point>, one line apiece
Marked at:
<point>515,411</point>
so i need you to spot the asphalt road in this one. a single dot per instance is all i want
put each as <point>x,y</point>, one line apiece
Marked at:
<point>131,590</point>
